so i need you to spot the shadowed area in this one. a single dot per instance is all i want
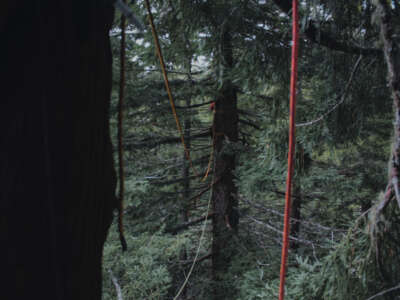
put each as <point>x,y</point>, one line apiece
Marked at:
<point>56,170</point>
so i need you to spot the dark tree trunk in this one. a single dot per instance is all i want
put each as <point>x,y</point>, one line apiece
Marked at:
<point>296,213</point>
<point>186,165</point>
<point>57,177</point>
<point>302,166</point>
<point>186,183</point>
<point>224,202</point>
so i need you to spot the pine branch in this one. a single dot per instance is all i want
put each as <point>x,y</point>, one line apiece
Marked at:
<point>292,238</point>
<point>186,225</point>
<point>172,181</point>
<point>317,36</point>
<point>269,210</point>
<point>194,105</point>
<point>249,123</point>
<point>205,257</point>
<point>248,113</point>
<point>153,142</point>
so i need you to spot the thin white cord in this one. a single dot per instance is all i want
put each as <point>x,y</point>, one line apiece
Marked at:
<point>198,248</point>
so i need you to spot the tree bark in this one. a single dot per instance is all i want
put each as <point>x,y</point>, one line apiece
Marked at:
<point>57,176</point>
<point>224,202</point>
<point>296,213</point>
<point>391,50</point>
<point>389,28</point>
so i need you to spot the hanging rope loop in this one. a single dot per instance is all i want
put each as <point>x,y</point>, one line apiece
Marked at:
<point>292,142</point>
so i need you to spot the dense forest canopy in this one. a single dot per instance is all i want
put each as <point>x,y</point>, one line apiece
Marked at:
<point>236,54</point>
<point>209,227</point>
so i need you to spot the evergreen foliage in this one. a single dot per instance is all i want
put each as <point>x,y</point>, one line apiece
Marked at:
<point>343,244</point>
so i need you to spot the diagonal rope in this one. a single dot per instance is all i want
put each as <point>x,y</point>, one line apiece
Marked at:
<point>203,230</point>
<point>170,97</point>
<point>292,142</point>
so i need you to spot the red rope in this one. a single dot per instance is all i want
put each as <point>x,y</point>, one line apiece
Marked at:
<point>292,142</point>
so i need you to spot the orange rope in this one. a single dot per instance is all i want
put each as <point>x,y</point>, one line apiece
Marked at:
<point>170,97</point>
<point>120,134</point>
<point>292,142</point>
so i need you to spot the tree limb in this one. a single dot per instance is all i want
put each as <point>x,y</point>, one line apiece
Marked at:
<point>316,35</point>
<point>249,123</point>
<point>152,142</point>
<point>183,226</point>
<point>205,257</point>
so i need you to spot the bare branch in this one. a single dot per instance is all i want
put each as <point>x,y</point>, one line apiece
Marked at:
<point>265,209</point>
<point>395,182</point>
<point>152,142</point>
<point>303,241</point>
<point>205,257</point>
<point>178,228</point>
<point>249,123</point>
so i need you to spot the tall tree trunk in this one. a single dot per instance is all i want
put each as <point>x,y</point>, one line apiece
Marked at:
<point>389,29</point>
<point>296,212</point>
<point>391,50</point>
<point>57,177</point>
<point>224,202</point>
<point>302,165</point>
<point>186,183</point>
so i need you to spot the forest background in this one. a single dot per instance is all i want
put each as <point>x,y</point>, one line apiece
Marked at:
<point>222,213</point>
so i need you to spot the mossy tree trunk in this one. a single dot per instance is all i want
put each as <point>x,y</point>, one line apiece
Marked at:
<point>57,174</point>
<point>389,31</point>
<point>385,252</point>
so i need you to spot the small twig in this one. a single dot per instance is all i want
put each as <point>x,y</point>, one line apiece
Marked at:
<point>265,209</point>
<point>249,123</point>
<point>117,286</point>
<point>205,257</point>
<point>188,224</point>
<point>397,287</point>
<point>342,97</point>
<point>395,182</point>
<point>303,241</point>
<point>205,190</point>
<point>386,198</point>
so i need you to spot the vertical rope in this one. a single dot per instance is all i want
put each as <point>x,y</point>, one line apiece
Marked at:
<point>120,134</point>
<point>292,142</point>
